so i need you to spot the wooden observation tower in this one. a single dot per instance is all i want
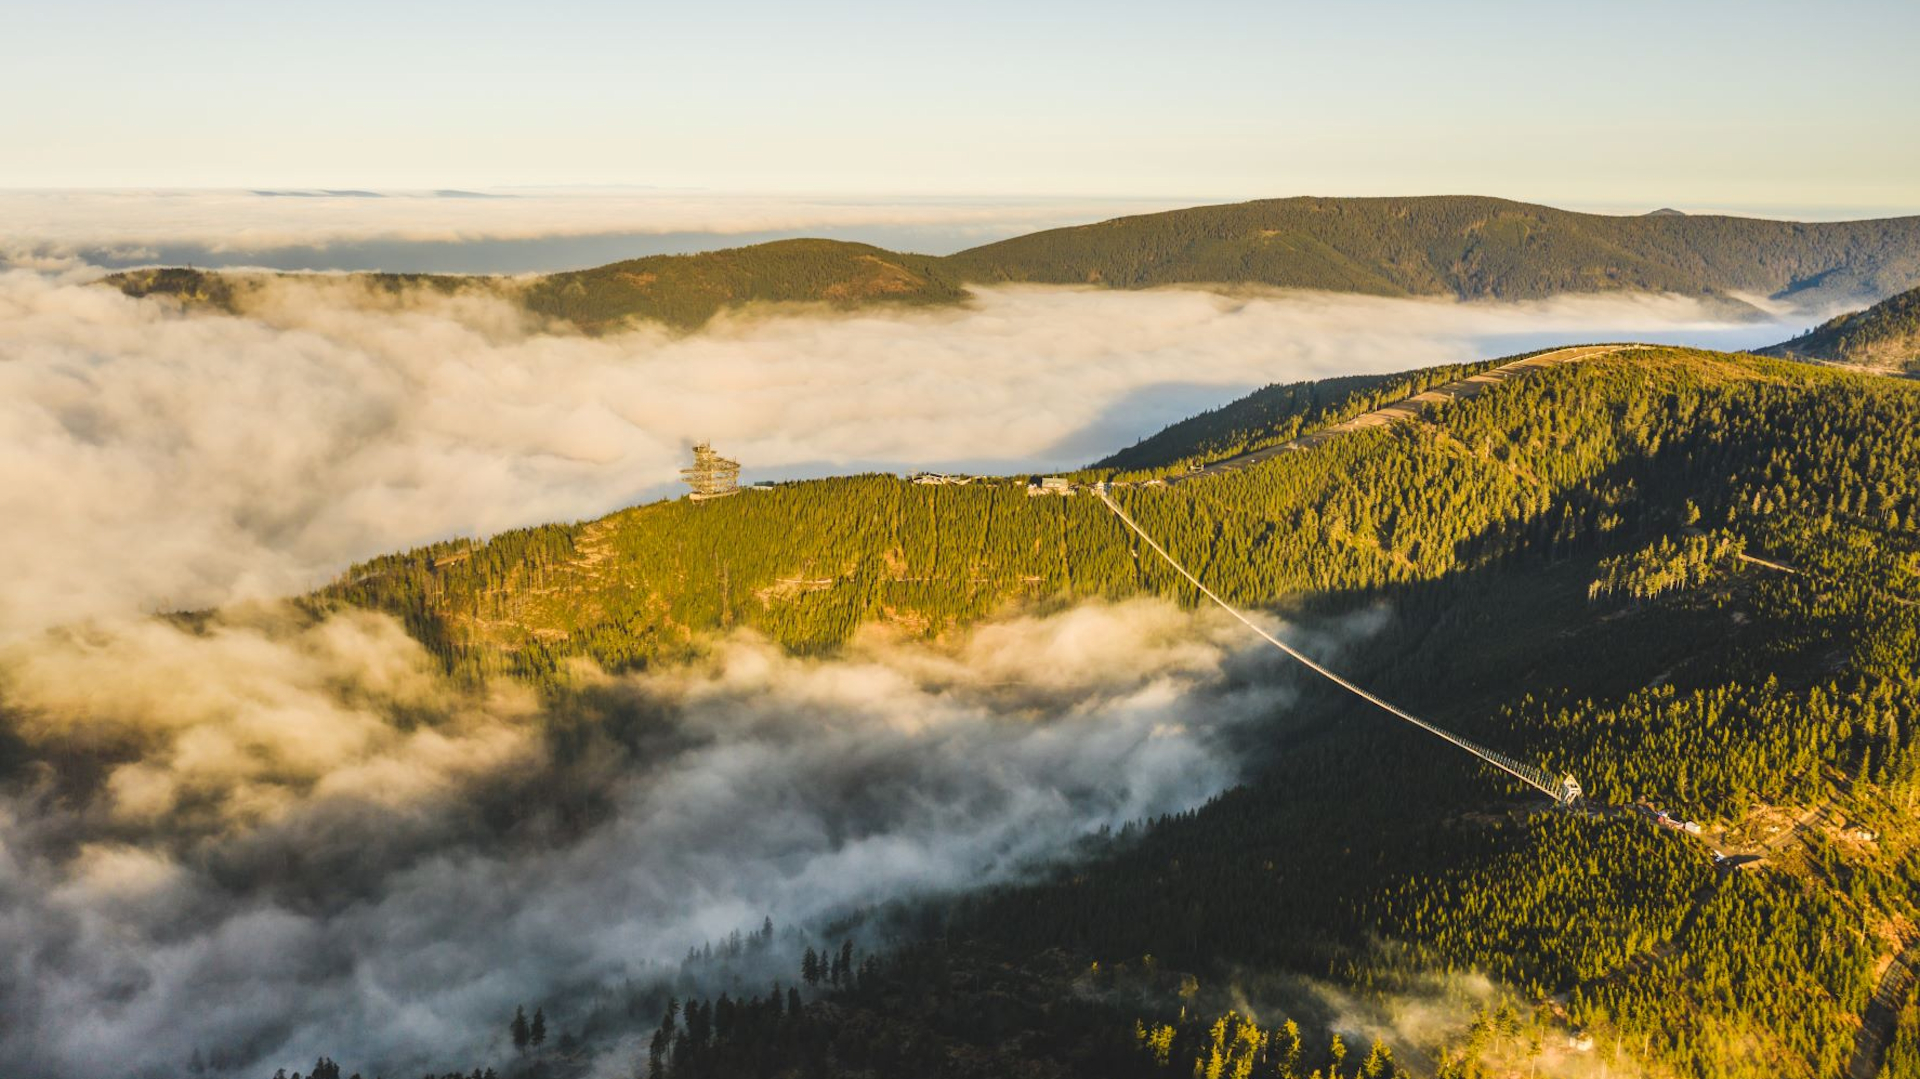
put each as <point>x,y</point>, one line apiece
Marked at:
<point>712,476</point>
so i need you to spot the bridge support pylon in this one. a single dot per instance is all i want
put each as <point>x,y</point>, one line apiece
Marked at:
<point>1569,793</point>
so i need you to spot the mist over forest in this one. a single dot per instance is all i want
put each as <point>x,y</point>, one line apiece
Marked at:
<point>256,809</point>
<point>890,541</point>
<point>331,424</point>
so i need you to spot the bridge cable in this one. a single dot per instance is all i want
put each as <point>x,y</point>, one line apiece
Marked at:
<point>1564,791</point>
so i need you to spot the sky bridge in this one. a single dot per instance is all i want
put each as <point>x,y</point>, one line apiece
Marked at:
<point>1563,789</point>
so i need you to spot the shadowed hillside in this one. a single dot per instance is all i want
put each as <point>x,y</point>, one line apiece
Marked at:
<point>1886,335</point>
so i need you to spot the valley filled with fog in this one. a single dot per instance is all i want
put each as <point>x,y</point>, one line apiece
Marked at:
<point>303,821</point>
<point>250,457</point>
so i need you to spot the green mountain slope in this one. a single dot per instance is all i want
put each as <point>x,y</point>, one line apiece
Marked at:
<point>1462,246</point>
<point>1555,564</point>
<point>1886,335</point>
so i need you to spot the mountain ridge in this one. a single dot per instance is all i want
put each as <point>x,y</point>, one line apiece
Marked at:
<point>1463,246</point>
<point>1466,245</point>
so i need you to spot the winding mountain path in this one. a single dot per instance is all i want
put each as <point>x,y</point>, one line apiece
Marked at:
<point>1410,407</point>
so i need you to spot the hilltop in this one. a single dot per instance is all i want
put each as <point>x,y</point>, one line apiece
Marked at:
<point>1464,247</point>
<point>687,290</point>
<point>1886,336</point>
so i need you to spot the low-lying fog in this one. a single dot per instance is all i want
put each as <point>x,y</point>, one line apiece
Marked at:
<point>158,459</point>
<point>305,841</point>
<point>253,845</point>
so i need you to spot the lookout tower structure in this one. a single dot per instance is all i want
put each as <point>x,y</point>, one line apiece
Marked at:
<point>712,476</point>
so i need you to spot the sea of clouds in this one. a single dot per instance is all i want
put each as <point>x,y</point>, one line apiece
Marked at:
<point>161,459</point>
<point>265,842</point>
<point>263,839</point>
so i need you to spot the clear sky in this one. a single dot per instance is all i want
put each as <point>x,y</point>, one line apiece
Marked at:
<point>1808,108</point>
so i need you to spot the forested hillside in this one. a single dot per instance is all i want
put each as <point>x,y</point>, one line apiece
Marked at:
<point>1886,335</point>
<point>1458,246</point>
<point>1559,560</point>
<point>1461,246</point>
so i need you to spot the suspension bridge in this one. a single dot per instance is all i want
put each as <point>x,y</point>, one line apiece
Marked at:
<point>1564,789</point>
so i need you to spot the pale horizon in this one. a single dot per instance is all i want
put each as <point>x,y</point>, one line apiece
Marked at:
<point>1639,104</point>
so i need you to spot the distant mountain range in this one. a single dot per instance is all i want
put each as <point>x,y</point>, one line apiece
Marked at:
<point>1461,246</point>
<point>680,290</point>
<point>1467,247</point>
<point>1886,335</point>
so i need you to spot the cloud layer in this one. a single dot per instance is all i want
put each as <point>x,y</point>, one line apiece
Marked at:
<point>263,841</point>
<point>161,459</point>
<point>259,839</point>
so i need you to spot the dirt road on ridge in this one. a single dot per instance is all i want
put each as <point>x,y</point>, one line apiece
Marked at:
<point>1410,407</point>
